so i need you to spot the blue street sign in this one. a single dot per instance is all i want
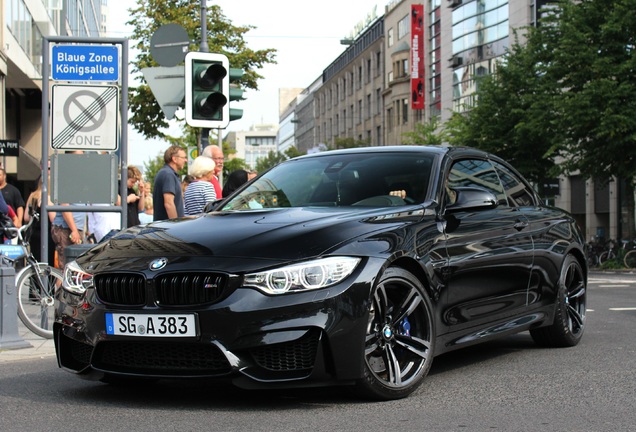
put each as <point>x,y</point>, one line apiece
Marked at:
<point>85,63</point>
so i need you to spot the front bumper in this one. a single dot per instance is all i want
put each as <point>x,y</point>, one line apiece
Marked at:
<point>255,340</point>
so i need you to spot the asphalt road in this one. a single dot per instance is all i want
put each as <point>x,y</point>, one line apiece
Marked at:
<point>506,385</point>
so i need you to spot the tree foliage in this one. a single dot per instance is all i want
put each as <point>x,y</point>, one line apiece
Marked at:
<point>563,101</point>
<point>426,134</point>
<point>348,142</point>
<point>272,159</point>
<point>223,37</point>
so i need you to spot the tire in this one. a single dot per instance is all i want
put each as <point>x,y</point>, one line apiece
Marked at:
<point>630,259</point>
<point>569,320</point>
<point>604,256</point>
<point>400,337</point>
<point>36,309</point>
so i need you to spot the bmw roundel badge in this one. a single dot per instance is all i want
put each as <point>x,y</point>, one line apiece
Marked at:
<point>158,264</point>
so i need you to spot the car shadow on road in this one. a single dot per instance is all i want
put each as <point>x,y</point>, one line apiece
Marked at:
<point>206,394</point>
<point>485,351</point>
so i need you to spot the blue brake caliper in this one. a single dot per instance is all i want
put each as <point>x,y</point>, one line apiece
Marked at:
<point>405,327</point>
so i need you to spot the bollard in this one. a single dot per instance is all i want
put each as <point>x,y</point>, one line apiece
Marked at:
<point>9,337</point>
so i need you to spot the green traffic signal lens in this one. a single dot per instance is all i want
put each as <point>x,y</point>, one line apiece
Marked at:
<point>207,105</point>
<point>208,76</point>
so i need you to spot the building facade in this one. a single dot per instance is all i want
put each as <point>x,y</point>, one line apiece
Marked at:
<point>253,144</point>
<point>24,24</point>
<point>366,94</point>
<point>348,104</point>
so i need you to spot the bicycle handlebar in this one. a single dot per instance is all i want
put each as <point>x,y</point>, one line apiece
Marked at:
<point>20,231</point>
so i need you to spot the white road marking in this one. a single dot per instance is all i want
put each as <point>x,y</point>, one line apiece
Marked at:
<point>623,309</point>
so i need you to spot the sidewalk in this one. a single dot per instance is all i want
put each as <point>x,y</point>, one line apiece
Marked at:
<point>40,347</point>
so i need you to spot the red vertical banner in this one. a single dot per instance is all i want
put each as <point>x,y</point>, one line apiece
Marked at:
<point>417,56</point>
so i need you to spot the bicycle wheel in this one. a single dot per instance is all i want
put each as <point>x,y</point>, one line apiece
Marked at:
<point>36,305</point>
<point>630,259</point>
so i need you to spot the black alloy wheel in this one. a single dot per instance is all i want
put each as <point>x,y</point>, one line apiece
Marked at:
<point>569,321</point>
<point>400,337</point>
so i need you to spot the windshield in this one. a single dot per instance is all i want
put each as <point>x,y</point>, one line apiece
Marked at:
<point>372,179</point>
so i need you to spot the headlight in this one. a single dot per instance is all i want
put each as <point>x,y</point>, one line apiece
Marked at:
<point>76,280</point>
<point>310,275</point>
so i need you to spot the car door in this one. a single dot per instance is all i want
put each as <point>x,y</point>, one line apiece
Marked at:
<point>489,253</point>
<point>551,234</point>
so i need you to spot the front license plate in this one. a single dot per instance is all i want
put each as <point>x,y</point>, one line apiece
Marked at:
<point>154,325</point>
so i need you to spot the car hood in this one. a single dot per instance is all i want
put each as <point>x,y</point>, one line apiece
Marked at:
<point>242,240</point>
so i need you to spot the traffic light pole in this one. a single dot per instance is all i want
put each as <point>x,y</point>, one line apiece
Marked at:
<point>203,47</point>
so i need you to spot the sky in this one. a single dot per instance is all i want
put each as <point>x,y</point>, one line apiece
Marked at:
<point>306,36</point>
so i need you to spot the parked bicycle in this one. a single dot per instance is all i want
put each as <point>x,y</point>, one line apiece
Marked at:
<point>595,247</point>
<point>630,256</point>
<point>36,282</point>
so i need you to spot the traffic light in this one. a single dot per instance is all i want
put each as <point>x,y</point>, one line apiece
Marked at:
<point>207,90</point>
<point>235,93</point>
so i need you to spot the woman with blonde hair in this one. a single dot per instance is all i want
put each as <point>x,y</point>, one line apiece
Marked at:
<point>200,191</point>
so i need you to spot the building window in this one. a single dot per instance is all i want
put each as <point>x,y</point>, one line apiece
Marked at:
<point>378,63</point>
<point>479,23</point>
<point>359,111</point>
<point>378,136</point>
<point>378,101</point>
<point>351,81</point>
<point>405,111</point>
<point>351,116</point>
<point>403,27</point>
<point>389,119</point>
<point>389,37</point>
<point>465,83</point>
<point>404,68</point>
<point>368,113</point>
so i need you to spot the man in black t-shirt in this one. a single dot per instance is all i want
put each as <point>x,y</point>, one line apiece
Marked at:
<point>12,196</point>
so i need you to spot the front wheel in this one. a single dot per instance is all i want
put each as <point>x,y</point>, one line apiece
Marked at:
<point>569,320</point>
<point>36,305</point>
<point>630,259</point>
<point>400,337</point>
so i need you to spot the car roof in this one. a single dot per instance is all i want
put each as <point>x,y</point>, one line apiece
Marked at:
<point>437,150</point>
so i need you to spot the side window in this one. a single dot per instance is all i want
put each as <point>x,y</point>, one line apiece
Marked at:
<point>516,190</point>
<point>477,173</point>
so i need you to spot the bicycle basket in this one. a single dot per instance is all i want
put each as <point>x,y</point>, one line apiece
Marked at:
<point>13,252</point>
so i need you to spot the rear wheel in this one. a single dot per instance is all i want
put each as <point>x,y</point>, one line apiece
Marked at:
<point>569,321</point>
<point>400,337</point>
<point>35,303</point>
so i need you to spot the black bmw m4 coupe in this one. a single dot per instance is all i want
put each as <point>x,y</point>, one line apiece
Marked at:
<point>353,267</point>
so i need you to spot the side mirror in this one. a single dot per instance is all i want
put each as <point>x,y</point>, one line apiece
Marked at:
<point>472,198</point>
<point>212,205</point>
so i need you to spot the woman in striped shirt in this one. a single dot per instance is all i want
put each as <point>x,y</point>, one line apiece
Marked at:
<point>200,191</point>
